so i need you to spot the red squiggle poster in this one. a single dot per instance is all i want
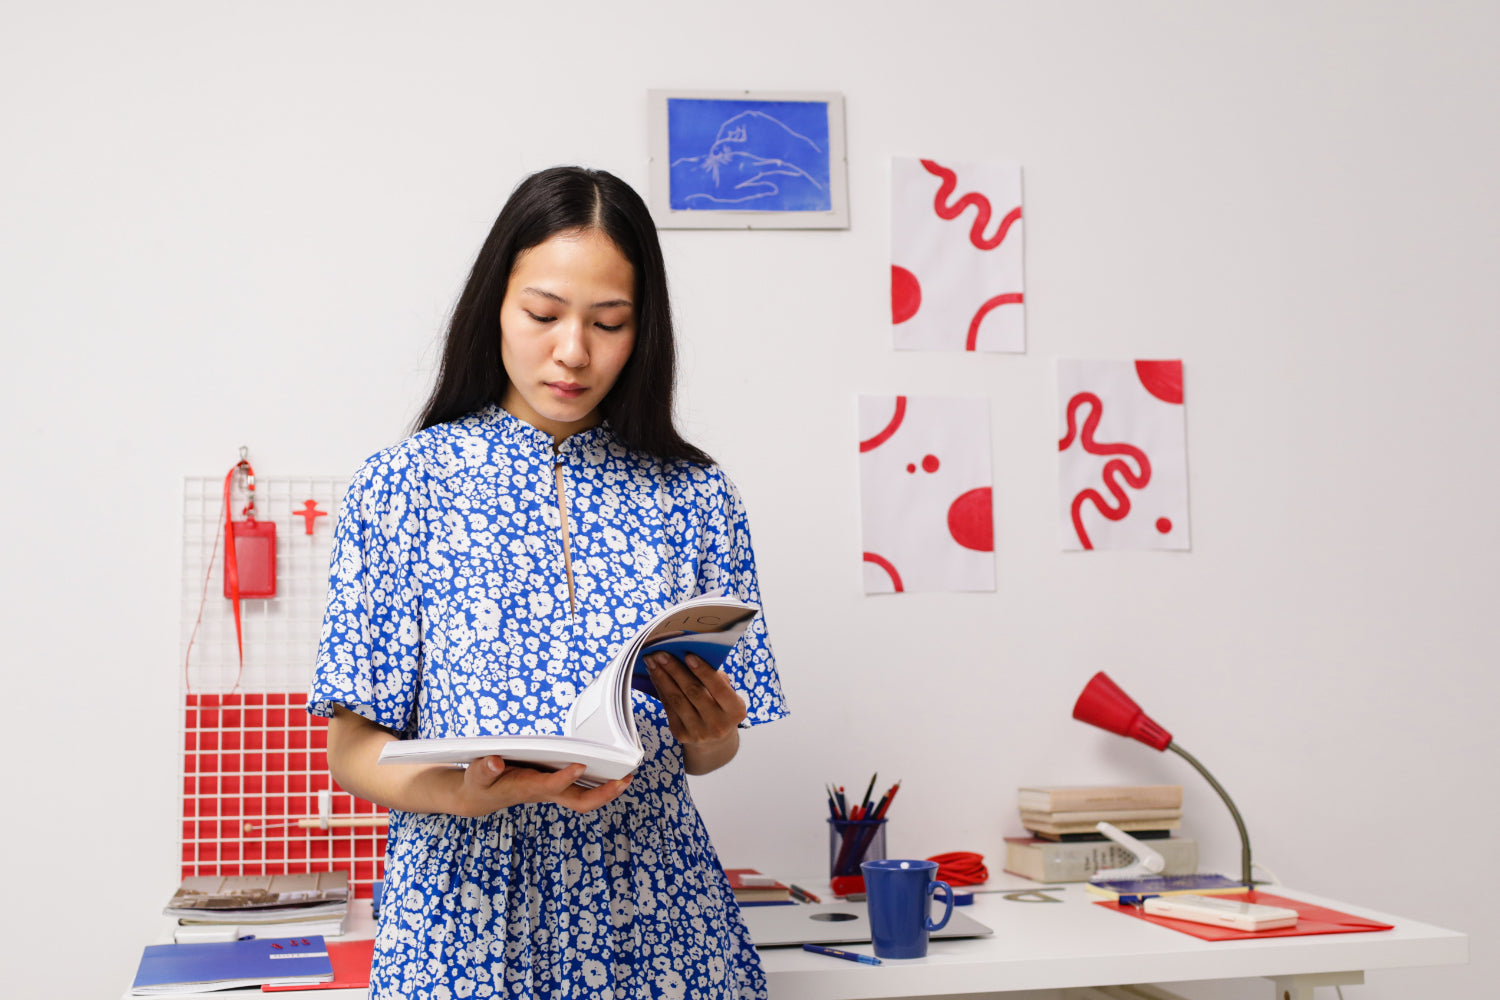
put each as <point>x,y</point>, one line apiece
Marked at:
<point>1122,455</point>
<point>956,256</point>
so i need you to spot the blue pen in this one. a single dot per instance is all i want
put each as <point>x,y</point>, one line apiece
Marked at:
<point>848,956</point>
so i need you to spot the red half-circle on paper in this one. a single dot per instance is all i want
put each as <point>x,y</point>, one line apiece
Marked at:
<point>1163,379</point>
<point>971,522</point>
<point>906,294</point>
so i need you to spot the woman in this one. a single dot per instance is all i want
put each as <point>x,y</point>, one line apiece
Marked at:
<point>484,571</point>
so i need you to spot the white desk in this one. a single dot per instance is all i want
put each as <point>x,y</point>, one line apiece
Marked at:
<point>1074,943</point>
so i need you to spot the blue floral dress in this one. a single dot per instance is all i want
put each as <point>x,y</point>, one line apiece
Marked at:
<point>448,615</point>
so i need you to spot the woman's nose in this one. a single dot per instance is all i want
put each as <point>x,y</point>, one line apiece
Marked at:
<point>571,350</point>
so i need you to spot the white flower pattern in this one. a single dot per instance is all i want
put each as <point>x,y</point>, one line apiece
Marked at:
<point>448,615</point>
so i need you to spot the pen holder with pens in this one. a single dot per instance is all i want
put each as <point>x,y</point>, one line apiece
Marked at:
<point>850,842</point>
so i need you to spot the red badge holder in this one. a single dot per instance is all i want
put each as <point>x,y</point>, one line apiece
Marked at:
<point>249,549</point>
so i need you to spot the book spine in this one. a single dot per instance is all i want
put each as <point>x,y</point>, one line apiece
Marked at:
<point>1076,861</point>
<point>1086,830</point>
<point>1096,799</point>
<point>1112,815</point>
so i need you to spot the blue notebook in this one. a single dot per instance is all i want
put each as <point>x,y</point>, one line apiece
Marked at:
<point>223,965</point>
<point>1166,885</point>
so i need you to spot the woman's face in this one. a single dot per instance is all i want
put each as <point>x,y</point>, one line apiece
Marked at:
<point>567,327</point>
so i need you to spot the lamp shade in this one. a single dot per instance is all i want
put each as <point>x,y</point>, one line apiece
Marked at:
<point>1103,704</point>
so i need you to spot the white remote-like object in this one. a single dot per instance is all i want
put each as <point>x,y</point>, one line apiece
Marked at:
<point>1234,913</point>
<point>1146,864</point>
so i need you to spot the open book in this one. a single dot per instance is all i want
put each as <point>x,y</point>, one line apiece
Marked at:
<point>599,731</point>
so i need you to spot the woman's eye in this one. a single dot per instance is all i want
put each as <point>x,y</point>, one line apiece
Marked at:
<point>608,328</point>
<point>540,319</point>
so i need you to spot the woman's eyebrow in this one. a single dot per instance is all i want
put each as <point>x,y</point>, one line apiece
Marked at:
<point>559,299</point>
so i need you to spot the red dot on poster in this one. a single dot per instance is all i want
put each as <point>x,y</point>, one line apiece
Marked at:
<point>910,467</point>
<point>906,294</point>
<point>1163,524</point>
<point>930,463</point>
<point>970,521</point>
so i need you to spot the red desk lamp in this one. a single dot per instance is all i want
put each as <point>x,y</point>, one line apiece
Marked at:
<point>1103,704</point>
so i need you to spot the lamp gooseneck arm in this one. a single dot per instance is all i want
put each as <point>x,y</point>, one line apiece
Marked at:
<point>1240,823</point>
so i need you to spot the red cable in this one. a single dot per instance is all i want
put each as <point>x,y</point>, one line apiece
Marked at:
<point>961,868</point>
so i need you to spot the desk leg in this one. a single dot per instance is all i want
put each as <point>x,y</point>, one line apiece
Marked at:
<point>1301,987</point>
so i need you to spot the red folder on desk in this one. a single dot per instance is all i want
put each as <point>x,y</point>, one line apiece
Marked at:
<point>351,967</point>
<point>1310,920</point>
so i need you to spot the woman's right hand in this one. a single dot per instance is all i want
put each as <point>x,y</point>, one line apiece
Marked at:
<point>488,785</point>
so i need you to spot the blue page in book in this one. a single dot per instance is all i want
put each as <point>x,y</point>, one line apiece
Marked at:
<point>169,968</point>
<point>712,647</point>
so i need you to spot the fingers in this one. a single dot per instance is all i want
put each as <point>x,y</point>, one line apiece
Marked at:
<point>673,682</point>
<point>701,704</point>
<point>581,799</point>
<point>491,786</point>
<point>484,772</point>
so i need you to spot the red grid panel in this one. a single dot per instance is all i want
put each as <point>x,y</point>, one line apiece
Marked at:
<point>253,764</point>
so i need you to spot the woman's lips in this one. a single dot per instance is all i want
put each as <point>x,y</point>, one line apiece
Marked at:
<point>567,390</point>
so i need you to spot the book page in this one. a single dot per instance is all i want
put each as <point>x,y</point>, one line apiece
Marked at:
<point>715,617</point>
<point>606,714</point>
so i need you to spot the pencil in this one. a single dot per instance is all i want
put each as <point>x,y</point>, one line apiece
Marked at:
<point>869,789</point>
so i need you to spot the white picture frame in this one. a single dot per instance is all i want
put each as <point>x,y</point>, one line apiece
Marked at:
<point>745,159</point>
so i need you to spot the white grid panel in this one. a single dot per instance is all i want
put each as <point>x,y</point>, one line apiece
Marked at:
<point>280,633</point>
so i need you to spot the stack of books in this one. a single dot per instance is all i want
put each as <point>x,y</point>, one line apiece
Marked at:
<point>751,888</point>
<point>1066,846</point>
<point>229,907</point>
<point>1066,812</point>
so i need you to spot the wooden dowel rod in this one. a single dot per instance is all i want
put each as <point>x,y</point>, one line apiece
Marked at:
<point>313,823</point>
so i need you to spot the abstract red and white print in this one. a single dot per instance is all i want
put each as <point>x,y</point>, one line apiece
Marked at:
<point>1122,455</point>
<point>924,484</point>
<point>956,260</point>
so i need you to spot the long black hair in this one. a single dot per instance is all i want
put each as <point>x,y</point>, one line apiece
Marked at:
<point>560,200</point>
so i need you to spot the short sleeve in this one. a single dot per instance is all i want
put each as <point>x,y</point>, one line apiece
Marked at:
<point>728,566</point>
<point>370,650</point>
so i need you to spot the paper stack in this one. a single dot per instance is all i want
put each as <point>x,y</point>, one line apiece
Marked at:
<point>228,907</point>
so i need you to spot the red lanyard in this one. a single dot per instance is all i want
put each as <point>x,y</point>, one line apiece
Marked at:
<point>231,561</point>
<point>249,551</point>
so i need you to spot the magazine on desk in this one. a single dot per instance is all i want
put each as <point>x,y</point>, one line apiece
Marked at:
<point>260,899</point>
<point>599,730</point>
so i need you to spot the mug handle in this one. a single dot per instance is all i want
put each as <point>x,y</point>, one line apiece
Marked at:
<point>932,887</point>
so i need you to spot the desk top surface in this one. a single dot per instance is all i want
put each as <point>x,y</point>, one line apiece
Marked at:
<point>1040,945</point>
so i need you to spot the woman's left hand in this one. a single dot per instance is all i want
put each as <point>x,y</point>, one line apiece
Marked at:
<point>703,709</point>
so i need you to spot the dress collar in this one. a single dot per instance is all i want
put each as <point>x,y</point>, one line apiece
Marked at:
<point>532,440</point>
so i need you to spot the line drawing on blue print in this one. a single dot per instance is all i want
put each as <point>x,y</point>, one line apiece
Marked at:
<point>748,156</point>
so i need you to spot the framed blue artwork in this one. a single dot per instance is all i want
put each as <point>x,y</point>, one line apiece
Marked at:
<point>748,160</point>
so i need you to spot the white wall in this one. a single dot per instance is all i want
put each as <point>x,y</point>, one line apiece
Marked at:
<point>226,224</point>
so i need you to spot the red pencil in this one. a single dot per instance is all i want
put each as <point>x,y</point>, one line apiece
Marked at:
<point>890,797</point>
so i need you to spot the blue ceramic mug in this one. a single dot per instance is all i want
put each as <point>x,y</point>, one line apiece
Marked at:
<point>898,894</point>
